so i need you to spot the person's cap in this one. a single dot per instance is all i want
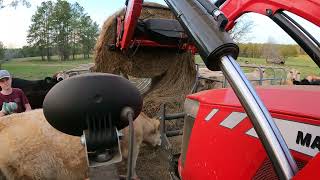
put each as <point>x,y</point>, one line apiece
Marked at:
<point>4,74</point>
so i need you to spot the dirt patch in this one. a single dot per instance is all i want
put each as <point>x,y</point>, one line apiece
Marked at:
<point>152,163</point>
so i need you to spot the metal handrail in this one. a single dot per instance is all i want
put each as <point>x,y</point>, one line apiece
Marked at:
<point>261,79</point>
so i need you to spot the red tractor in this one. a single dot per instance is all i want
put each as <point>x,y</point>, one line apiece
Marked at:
<point>240,132</point>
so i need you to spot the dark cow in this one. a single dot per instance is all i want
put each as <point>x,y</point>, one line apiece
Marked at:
<point>307,82</point>
<point>35,90</point>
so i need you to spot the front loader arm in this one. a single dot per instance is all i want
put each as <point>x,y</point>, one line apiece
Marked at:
<point>308,9</point>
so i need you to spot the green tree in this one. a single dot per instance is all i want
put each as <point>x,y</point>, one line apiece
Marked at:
<point>30,51</point>
<point>39,34</point>
<point>77,13</point>
<point>2,50</point>
<point>12,53</point>
<point>253,50</point>
<point>88,35</point>
<point>62,18</point>
<point>288,51</point>
<point>63,29</point>
<point>243,50</point>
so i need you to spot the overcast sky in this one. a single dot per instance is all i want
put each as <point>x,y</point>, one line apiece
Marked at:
<point>14,23</point>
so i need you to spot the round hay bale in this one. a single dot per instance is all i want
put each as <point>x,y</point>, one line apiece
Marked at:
<point>172,72</point>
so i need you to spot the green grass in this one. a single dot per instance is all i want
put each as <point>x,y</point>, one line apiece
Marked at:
<point>303,63</point>
<point>35,68</point>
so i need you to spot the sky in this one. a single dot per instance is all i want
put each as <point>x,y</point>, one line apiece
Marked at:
<point>14,22</point>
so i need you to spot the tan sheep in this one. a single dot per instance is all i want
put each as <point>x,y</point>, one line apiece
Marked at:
<point>293,75</point>
<point>32,149</point>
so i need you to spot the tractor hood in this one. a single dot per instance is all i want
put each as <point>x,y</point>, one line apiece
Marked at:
<point>290,100</point>
<point>219,141</point>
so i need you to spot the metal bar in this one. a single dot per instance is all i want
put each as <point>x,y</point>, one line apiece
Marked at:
<point>196,83</point>
<point>174,116</point>
<point>213,80</point>
<point>162,121</point>
<point>208,6</point>
<point>268,79</point>
<point>272,80</point>
<point>301,28</point>
<point>261,119</point>
<point>165,143</point>
<point>283,76</point>
<point>302,39</point>
<point>205,31</point>
<point>262,79</point>
<point>174,133</point>
<point>131,141</point>
<point>225,82</point>
<point>260,75</point>
<point>274,76</point>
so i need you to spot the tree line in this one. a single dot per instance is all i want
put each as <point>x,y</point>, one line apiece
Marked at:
<point>2,50</point>
<point>250,50</point>
<point>60,28</point>
<point>269,50</point>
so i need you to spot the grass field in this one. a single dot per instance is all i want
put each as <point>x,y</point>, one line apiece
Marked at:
<point>35,68</point>
<point>303,63</point>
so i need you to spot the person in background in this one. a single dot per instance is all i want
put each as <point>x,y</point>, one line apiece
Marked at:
<point>13,100</point>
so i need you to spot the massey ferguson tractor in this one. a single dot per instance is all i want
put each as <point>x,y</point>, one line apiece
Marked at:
<point>233,133</point>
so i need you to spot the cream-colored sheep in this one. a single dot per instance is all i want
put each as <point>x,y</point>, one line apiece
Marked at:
<point>293,75</point>
<point>30,148</point>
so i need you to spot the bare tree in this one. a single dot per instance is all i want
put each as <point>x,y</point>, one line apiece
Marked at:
<point>270,51</point>
<point>242,29</point>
